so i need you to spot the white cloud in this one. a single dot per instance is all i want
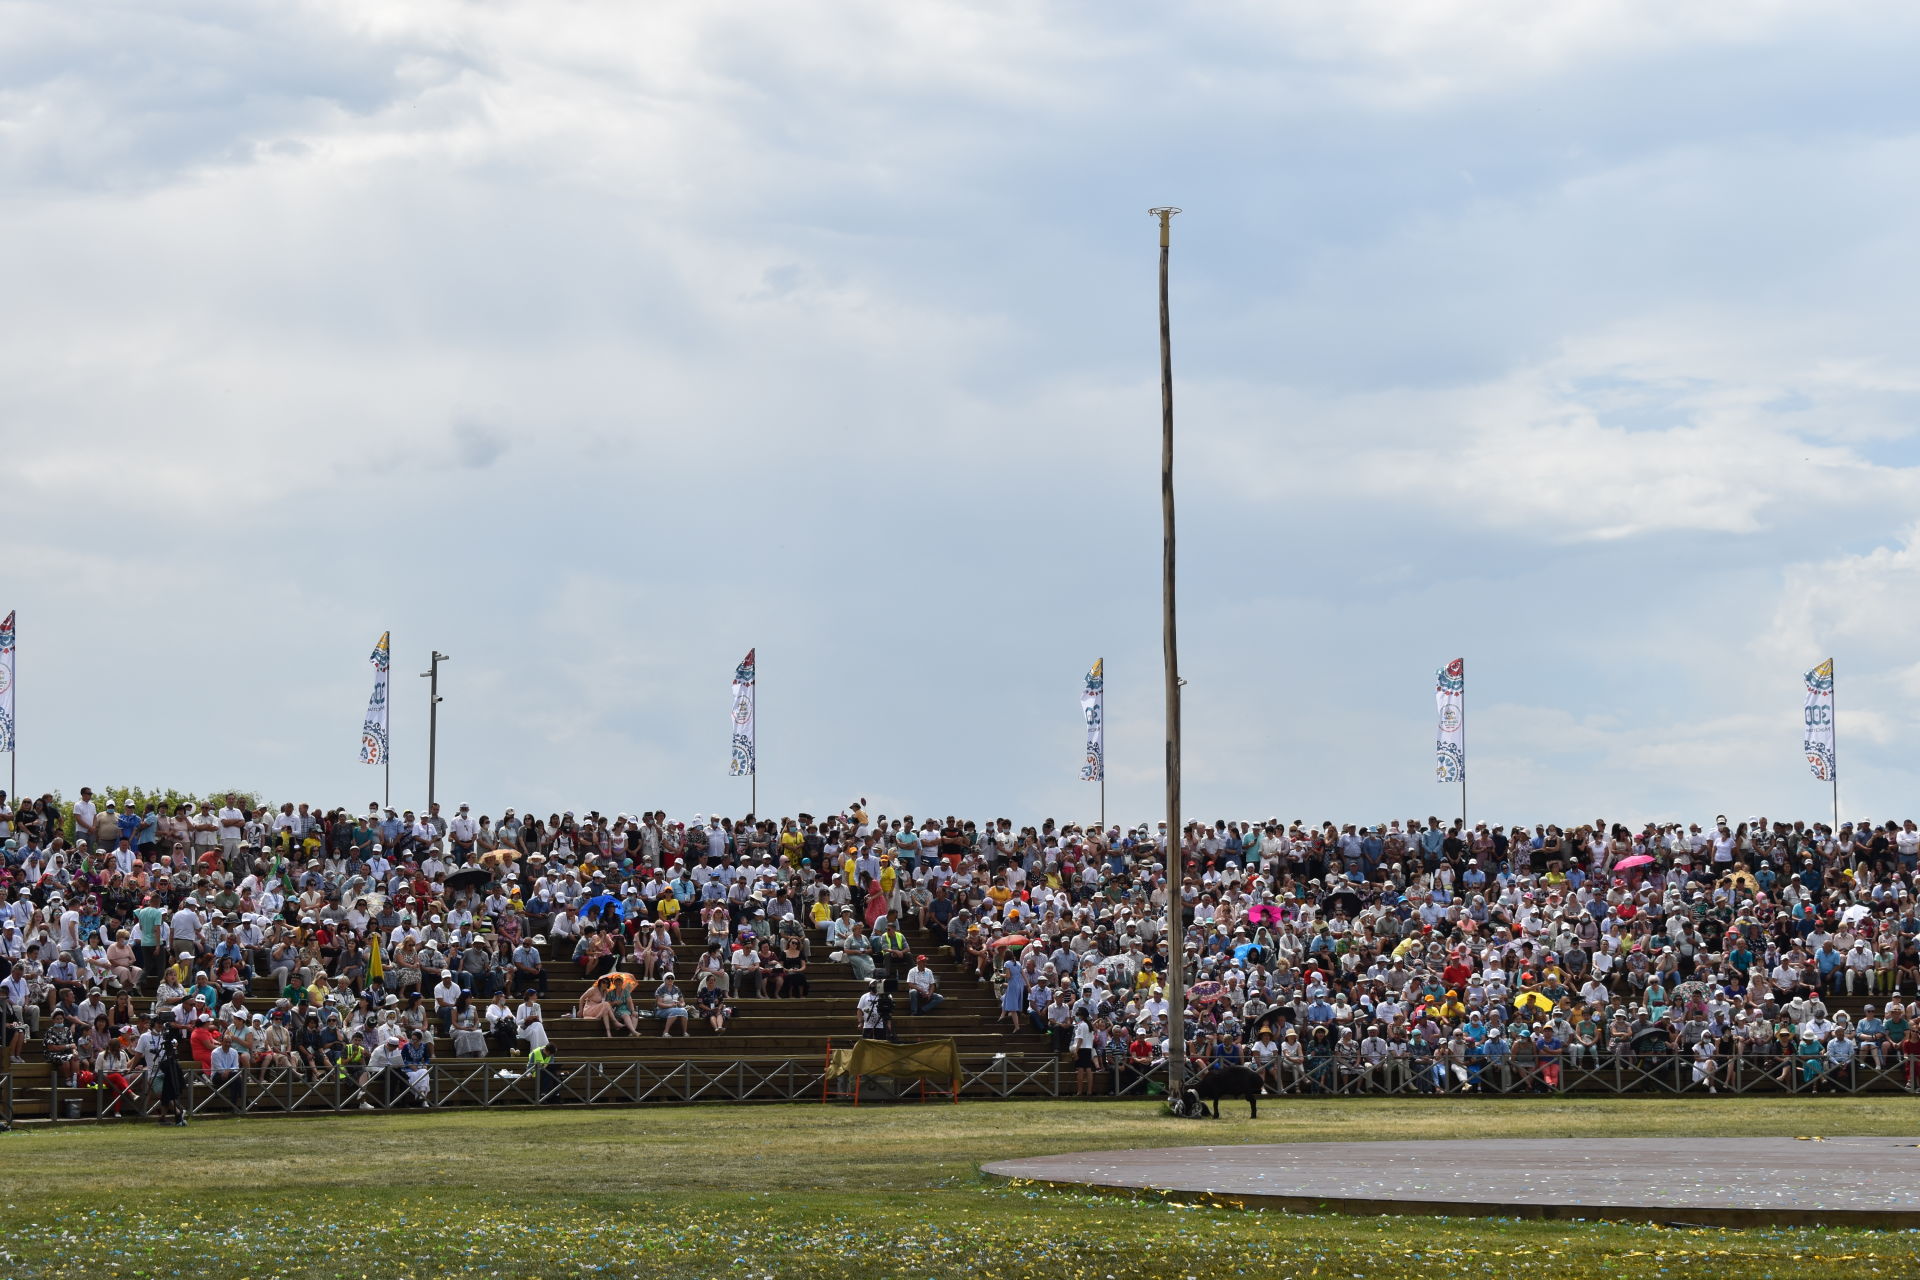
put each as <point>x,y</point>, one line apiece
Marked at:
<point>599,339</point>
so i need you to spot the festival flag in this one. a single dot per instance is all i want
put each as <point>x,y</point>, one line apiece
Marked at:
<point>1818,743</point>
<point>7,743</point>
<point>373,734</point>
<point>743,718</point>
<point>1451,745</point>
<point>1092,706</point>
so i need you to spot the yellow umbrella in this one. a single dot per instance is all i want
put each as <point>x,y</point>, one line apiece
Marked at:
<point>1532,1000</point>
<point>375,970</point>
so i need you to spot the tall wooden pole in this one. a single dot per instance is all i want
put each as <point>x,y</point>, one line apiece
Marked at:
<point>432,674</point>
<point>1176,941</point>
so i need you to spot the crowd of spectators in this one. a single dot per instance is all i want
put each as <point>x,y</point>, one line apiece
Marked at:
<point>1400,955</point>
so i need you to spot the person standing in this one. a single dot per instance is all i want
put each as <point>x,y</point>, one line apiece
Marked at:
<point>1083,1064</point>
<point>463,832</point>
<point>867,1015</point>
<point>1013,1001</point>
<point>85,813</point>
<point>539,1056</point>
<point>231,819</point>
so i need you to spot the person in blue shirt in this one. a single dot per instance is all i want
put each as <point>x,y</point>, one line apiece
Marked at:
<point>1373,848</point>
<point>1871,1032</point>
<point>1494,1054</point>
<point>1841,1050</point>
<point>1828,958</point>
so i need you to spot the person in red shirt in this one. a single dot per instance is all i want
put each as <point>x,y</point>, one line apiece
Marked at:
<point>201,1043</point>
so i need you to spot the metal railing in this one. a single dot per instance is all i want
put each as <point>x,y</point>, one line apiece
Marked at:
<point>478,1084</point>
<point>467,1083</point>
<point>1668,1074</point>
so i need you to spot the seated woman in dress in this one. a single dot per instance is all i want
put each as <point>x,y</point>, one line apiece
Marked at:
<point>469,1035</point>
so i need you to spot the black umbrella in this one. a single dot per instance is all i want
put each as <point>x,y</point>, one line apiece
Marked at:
<point>471,878</point>
<point>1651,1040</point>
<point>1344,900</point>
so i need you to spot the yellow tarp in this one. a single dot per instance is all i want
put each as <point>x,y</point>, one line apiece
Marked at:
<point>927,1060</point>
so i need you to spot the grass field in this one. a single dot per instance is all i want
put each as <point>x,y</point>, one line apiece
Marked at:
<point>810,1191</point>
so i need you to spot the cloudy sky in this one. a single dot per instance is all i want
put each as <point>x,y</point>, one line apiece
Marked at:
<point>596,343</point>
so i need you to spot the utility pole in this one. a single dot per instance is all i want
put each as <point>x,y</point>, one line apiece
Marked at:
<point>1176,939</point>
<point>433,719</point>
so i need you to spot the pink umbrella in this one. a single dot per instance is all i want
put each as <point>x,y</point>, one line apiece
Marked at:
<point>1628,864</point>
<point>1264,913</point>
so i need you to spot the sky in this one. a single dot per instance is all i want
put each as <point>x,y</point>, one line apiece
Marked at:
<point>594,344</point>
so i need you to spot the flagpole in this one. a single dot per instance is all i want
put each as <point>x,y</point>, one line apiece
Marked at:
<point>1836,745</point>
<point>13,755</point>
<point>753,701</point>
<point>1463,750</point>
<point>386,760</point>
<point>1176,941</point>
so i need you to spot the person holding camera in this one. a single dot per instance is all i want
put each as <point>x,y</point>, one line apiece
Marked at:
<point>159,1052</point>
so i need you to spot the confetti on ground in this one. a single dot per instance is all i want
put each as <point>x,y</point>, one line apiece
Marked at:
<point>772,1193</point>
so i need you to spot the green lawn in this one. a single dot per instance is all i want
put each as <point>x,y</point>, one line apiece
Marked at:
<point>811,1191</point>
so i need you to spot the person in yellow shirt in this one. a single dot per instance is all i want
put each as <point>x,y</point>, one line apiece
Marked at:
<point>889,875</point>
